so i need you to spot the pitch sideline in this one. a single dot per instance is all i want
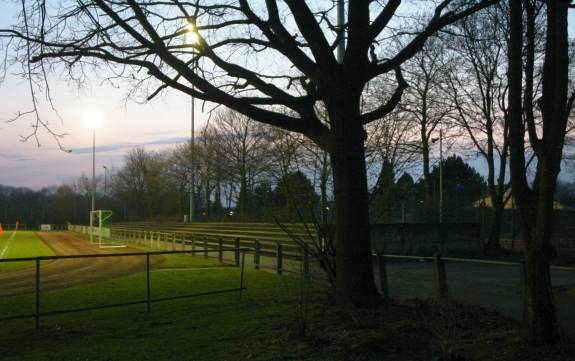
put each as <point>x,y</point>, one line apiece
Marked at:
<point>12,236</point>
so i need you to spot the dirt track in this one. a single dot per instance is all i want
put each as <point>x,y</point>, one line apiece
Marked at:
<point>68,272</point>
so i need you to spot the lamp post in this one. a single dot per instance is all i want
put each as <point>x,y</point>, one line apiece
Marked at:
<point>191,37</point>
<point>92,121</point>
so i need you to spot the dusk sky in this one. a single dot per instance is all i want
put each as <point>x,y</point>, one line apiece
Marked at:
<point>159,124</point>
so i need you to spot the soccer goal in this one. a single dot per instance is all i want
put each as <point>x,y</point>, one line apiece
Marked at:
<point>100,230</point>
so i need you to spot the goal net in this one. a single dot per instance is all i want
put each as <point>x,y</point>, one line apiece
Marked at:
<point>100,230</point>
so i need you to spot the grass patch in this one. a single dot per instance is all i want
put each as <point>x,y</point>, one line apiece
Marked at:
<point>264,325</point>
<point>22,244</point>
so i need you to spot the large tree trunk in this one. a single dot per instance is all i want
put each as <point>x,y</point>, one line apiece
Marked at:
<point>354,270</point>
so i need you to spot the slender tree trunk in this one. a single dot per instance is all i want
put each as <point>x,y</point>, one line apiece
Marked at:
<point>540,313</point>
<point>243,194</point>
<point>427,189</point>
<point>493,245</point>
<point>354,270</point>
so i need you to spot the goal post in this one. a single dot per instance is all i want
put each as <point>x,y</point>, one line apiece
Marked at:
<point>100,229</point>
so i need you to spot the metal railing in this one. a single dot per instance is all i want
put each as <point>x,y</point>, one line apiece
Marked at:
<point>280,250</point>
<point>440,277</point>
<point>239,257</point>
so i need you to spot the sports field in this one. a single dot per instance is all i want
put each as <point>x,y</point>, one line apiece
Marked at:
<point>17,244</point>
<point>63,273</point>
<point>261,326</point>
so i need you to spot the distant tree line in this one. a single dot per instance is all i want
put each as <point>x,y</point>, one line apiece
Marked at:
<point>248,172</point>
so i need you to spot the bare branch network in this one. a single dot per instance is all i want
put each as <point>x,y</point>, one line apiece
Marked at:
<point>256,57</point>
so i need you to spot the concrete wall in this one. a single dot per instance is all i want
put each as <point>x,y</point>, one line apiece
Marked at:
<point>427,239</point>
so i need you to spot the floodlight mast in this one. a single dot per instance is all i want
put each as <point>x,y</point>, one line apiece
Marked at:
<point>93,169</point>
<point>192,37</point>
<point>92,121</point>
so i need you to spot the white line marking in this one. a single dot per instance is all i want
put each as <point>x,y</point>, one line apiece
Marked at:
<point>7,244</point>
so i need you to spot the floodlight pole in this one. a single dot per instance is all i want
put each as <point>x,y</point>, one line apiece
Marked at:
<point>93,208</point>
<point>192,163</point>
<point>93,169</point>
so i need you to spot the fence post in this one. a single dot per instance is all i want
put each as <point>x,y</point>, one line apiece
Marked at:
<point>237,252</point>
<point>305,260</point>
<point>193,245</point>
<point>440,277</point>
<point>522,276</point>
<point>173,241</point>
<point>279,259</point>
<point>205,247</point>
<point>257,254</point>
<point>220,250</point>
<point>148,288</point>
<point>382,272</point>
<point>37,312</point>
<point>242,273</point>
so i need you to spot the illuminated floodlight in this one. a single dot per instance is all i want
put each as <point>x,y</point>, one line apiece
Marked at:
<point>92,120</point>
<point>192,36</point>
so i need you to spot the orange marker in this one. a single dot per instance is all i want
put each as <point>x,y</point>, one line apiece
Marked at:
<point>1,230</point>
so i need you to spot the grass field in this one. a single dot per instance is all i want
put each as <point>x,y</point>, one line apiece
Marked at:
<point>265,325</point>
<point>21,244</point>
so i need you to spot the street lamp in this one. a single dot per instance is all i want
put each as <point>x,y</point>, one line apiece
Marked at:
<point>192,37</point>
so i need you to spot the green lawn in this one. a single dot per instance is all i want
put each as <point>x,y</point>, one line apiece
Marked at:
<point>21,244</point>
<point>266,324</point>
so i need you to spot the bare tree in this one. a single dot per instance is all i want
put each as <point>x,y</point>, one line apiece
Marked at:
<point>139,181</point>
<point>178,174</point>
<point>389,152</point>
<point>478,89</point>
<point>535,201</point>
<point>256,58</point>
<point>285,149</point>
<point>244,146</point>
<point>426,105</point>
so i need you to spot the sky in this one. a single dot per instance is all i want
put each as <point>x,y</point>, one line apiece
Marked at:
<point>157,125</point>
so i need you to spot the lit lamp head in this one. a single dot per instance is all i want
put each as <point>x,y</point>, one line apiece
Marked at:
<point>92,120</point>
<point>192,36</point>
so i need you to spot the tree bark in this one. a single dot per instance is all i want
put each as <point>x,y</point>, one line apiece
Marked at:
<point>354,272</point>
<point>427,190</point>
<point>493,245</point>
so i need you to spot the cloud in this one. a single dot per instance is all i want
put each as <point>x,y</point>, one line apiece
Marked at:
<point>13,157</point>
<point>120,146</point>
